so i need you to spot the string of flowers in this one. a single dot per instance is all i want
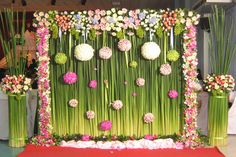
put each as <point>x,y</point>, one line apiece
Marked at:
<point>190,135</point>
<point>45,128</point>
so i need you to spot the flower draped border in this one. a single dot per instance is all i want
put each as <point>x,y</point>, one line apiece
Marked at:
<point>44,111</point>
<point>190,61</point>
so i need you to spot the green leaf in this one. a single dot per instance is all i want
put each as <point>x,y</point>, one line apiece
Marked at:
<point>159,32</point>
<point>140,32</point>
<point>92,34</point>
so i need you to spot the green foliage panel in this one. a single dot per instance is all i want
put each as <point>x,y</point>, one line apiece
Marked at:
<point>153,97</point>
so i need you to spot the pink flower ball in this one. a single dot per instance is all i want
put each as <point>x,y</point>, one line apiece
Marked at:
<point>117,104</point>
<point>90,114</point>
<point>148,118</point>
<point>105,125</point>
<point>173,94</point>
<point>105,53</point>
<point>124,45</point>
<point>93,84</point>
<point>165,69</point>
<point>70,77</point>
<point>85,138</point>
<point>140,82</point>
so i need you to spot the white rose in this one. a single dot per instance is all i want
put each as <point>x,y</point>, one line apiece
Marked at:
<point>190,13</point>
<point>41,13</point>
<point>182,20</point>
<point>118,29</point>
<point>38,18</point>
<point>113,10</point>
<point>46,15</point>
<point>196,22</point>
<point>108,12</point>
<point>113,34</point>
<point>26,88</point>
<point>181,13</point>
<point>120,12</point>
<point>114,15</point>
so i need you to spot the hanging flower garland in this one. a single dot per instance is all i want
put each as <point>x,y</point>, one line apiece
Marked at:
<point>45,128</point>
<point>190,135</point>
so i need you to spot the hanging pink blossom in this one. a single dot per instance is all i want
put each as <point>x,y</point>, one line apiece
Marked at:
<point>105,125</point>
<point>85,138</point>
<point>124,45</point>
<point>93,84</point>
<point>105,53</point>
<point>165,69</point>
<point>90,114</point>
<point>140,82</point>
<point>70,77</point>
<point>117,104</point>
<point>148,118</point>
<point>173,94</point>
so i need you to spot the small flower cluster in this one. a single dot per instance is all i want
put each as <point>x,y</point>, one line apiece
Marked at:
<point>168,19</point>
<point>219,84</point>
<point>41,19</point>
<point>65,21</point>
<point>15,84</point>
<point>117,104</point>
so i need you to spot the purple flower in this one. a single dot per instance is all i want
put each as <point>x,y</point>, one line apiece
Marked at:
<point>152,20</point>
<point>131,20</point>
<point>111,20</point>
<point>70,77</point>
<point>93,84</point>
<point>105,125</point>
<point>94,21</point>
<point>85,138</point>
<point>78,17</point>
<point>173,94</point>
<point>149,137</point>
<point>141,15</point>
<point>78,26</point>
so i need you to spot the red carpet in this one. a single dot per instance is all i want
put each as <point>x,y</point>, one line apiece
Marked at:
<point>37,151</point>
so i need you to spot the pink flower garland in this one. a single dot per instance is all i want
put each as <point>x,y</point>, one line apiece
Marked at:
<point>190,135</point>
<point>44,137</point>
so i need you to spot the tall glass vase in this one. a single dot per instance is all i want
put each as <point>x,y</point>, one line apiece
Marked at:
<point>218,120</point>
<point>17,120</point>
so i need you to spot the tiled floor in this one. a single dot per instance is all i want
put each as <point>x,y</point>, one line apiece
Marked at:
<point>229,150</point>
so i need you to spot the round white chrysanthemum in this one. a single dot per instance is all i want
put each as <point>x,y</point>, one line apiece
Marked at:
<point>84,52</point>
<point>150,50</point>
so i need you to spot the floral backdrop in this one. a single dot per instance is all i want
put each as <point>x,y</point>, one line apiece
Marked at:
<point>118,72</point>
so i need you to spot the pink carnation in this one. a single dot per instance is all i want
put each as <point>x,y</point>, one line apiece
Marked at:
<point>165,69</point>
<point>105,53</point>
<point>148,118</point>
<point>70,77</point>
<point>85,138</point>
<point>93,84</point>
<point>140,81</point>
<point>173,94</point>
<point>124,45</point>
<point>105,125</point>
<point>90,114</point>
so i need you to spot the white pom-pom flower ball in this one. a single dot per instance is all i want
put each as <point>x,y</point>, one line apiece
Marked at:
<point>150,50</point>
<point>84,52</point>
